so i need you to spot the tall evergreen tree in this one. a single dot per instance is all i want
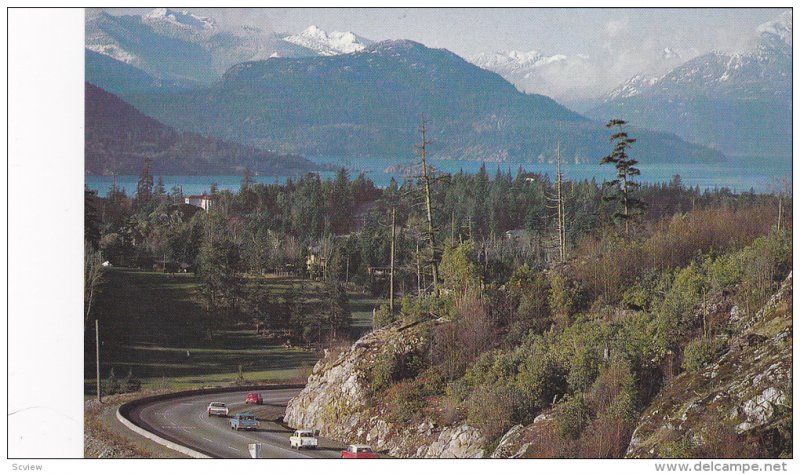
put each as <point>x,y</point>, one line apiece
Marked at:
<point>623,186</point>
<point>144,188</point>
<point>160,190</point>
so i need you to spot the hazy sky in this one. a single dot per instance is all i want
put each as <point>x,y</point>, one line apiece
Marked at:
<point>551,30</point>
<point>613,44</point>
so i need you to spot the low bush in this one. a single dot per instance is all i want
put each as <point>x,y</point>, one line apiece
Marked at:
<point>699,353</point>
<point>489,409</point>
<point>405,401</point>
<point>390,367</point>
<point>572,415</point>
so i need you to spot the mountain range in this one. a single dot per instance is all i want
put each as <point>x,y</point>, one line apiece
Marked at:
<point>336,93</point>
<point>738,103</point>
<point>118,139</point>
<point>370,103</point>
<point>172,45</point>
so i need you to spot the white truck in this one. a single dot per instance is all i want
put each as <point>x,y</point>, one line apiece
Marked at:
<point>303,439</point>
<point>217,409</point>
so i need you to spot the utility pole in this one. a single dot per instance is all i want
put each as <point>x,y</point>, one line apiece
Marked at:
<point>391,267</point>
<point>97,357</point>
<point>431,236</point>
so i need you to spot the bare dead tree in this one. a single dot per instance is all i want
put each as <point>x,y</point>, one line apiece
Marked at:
<point>558,205</point>
<point>426,180</point>
<point>92,278</point>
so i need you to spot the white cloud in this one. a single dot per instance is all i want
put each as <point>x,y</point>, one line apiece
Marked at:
<point>614,27</point>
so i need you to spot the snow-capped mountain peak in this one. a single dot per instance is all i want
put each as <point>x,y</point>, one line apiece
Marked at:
<point>514,60</point>
<point>181,19</point>
<point>780,27</point>
<point>670,53</point>
<point>633,86</point>
<point>328,44</point>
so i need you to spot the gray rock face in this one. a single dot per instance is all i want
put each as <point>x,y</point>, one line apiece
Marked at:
<point>459,442</point>
<point>743,389</point>
<point>337,401</point>
<point>518,441</point>
<point>332,395</point>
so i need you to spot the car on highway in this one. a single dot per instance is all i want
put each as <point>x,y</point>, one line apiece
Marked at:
<point>244,421</point>
<point>303,439</point>
<point>358,451</point>
<point>254,398</point>
<point>217,409</point>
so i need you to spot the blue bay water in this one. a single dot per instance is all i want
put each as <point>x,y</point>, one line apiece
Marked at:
<point>738,174</point>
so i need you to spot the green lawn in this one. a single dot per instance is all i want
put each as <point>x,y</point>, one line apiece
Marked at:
<point>150,325</point>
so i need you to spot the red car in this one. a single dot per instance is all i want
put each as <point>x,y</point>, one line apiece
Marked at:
<point>359,451</point>
<point>254,398</point>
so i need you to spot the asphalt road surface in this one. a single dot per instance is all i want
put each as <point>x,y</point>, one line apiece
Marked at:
<point>185,420</point>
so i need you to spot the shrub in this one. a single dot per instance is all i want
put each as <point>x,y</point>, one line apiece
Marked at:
<point>431,382</point>
<point>762,265</point>
<point>573,416</point>
<point>607,436</point>
<point>111,385</point>
<point>405,401</point>
<point>541,377</point>
<point>612,398</point>
<point>114,385</point>
<point>680,448</point>
<point>675,315</point>
<point>450,411</point>
<point>384,317</point>
<point>460,269</point>
<point>459,342</point>
<point>495,367</point>
<point>426,307</point>
<point>130,383</point>
<point>475,328</point>
<point>583,368</point>
<point>614,391</point>
<point>548,444</point>
<point>489,409</point>
<point>382,372</point>
<point>391,366</point>
<point>458,390</point>
<point>720,441</point>
<point>700,352</point>
<point>448,352</point>
<point>530,294</point>
<point>561,299</point>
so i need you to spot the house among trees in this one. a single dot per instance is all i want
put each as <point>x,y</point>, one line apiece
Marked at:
<point>202,201</point>
<point>315,263</point>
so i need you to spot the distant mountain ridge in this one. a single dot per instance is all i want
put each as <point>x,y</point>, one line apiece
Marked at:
<point>738,103</point>
<point>369,103</point>
<point>180,46</point>
<point>118,138</point>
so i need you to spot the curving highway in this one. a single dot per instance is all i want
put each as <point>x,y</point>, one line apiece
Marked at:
<point>185,421</point>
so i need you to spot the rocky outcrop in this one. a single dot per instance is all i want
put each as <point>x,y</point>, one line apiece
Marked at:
<point>458,442</point>
<point>338,400</point>
<point>744,391</point>
<point>535,439</point>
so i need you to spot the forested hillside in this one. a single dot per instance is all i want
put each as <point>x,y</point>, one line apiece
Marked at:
<point>370,103</point>
<point>119,138</point>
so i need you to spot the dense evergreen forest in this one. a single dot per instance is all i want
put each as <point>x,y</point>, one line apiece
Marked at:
<point>576,296</point>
